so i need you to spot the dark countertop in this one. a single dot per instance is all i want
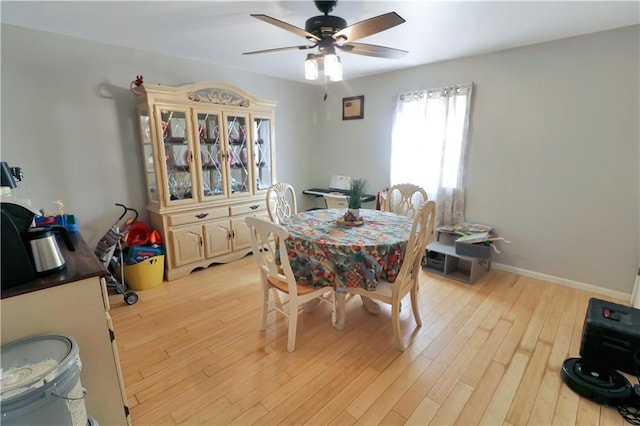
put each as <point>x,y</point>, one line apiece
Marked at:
<point>81,264</point>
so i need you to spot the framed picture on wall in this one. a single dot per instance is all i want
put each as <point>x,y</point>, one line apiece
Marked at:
<point>353,107</point>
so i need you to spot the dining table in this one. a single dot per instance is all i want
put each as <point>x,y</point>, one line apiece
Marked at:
<point>324,250</point>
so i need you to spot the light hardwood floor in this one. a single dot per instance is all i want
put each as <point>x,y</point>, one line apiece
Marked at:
<point>488,353</point>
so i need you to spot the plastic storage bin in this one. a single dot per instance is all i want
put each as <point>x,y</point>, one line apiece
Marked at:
<point>139,253</point>
<point>69,221</point>
<point>480,251</point>
<point>435,260</point>
<point>146,274</point>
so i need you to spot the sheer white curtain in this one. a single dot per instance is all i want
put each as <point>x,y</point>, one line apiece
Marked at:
<point>428,145</point>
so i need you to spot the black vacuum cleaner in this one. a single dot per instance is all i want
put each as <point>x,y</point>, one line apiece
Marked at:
<point>610,342</point>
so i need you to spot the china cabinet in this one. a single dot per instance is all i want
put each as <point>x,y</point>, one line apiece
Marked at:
<point>208,151</point>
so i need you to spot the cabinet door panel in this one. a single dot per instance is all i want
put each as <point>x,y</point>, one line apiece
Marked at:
<point>262,147</point>
<point>217,238</point>
<point>211,164</point>
<point>179,168</point>
<point>241,233</point>
<point>187,245</point>
<point>149,155</point>
<point>238,155</point>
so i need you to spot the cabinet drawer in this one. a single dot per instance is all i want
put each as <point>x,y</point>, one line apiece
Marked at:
<point>198,216</point>
<point>248,208</point>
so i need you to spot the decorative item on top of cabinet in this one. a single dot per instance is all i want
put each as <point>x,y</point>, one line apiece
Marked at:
<point>208,155</point>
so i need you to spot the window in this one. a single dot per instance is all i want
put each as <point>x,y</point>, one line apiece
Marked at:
<point>428,143</point>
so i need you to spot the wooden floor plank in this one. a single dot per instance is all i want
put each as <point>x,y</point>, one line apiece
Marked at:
<point>545,400</point>
<point>453,405</point>
<point>336,406</point>
<point>450,377</point>
<point>392,419</point>
<point>566,407</point>
<point>588,413</point>
<point>510,343</point>
<point>534,326</point>
<point>499,405</point>
<point>250,416</point>
<point>478,364</point>
<point>525,396</point>
<point>423,384</point>
<point>424,412</point>
<point>609,416</point>
<point>510,288</point>
<point>481,395</point>
<point>384,404</point>
<point>550,327</point>
<point>342,419</point>
<point>562,341</point>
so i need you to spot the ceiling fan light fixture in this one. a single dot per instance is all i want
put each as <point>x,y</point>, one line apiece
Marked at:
<point>331,65</point>
<point>311,67</point>
<point>337,71</point>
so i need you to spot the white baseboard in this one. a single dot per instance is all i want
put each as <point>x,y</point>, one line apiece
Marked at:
<point>563,281</point>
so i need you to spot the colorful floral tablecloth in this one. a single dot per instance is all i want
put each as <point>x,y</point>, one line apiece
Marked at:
<point>323,252</point>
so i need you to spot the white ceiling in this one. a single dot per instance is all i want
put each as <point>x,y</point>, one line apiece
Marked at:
<point>219,31</point>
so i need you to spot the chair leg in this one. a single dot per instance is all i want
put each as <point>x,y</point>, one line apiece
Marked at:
<point>265,305</point>
<point>293,325</point>
<point>414,306</point>
<point>338,316</point>
<point>395,325</point>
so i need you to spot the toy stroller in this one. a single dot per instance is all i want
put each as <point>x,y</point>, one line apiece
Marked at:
<point>109,252</point>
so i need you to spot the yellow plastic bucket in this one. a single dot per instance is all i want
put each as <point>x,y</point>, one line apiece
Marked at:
<point>145,274</point>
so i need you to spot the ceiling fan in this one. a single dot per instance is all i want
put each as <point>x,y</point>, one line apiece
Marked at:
<point>328,32</point>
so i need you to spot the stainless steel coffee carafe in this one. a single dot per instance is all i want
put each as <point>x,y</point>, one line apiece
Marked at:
<point>44,248</point>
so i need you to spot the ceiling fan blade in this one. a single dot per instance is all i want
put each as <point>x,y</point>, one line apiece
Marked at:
<point>369,27</point>
<point>373,50</point>
<point>285,26</point>
<point>279,49</point>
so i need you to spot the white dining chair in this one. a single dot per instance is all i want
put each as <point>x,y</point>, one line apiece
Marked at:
<point>334,201</point>
<point>281,201</point>
<point>407,280</point>
<point>405,199</point>
<point>279,276</point>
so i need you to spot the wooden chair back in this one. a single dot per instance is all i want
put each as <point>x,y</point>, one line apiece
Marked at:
<point>281,201</point>
<point>421,230</point>
<point>405,199</point>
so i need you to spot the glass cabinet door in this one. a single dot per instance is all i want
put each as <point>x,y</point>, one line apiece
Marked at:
<point>212,156</point>
<point>178,155</point>
<point>148,156</point>
<point>237,155</point>
<point>262,147</point>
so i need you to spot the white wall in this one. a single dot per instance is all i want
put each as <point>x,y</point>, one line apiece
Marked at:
<point>554,151</point>
<point>68,119</point>
<point>554,148</point>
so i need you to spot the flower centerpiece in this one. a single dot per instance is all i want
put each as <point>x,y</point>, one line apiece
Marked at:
<point>355,199</point>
